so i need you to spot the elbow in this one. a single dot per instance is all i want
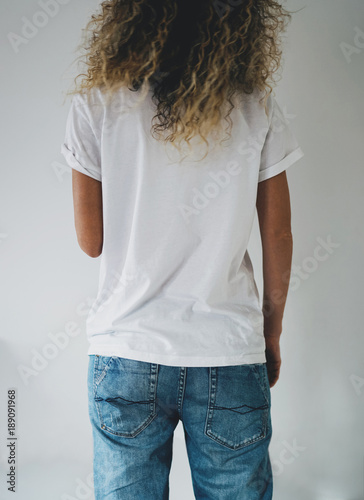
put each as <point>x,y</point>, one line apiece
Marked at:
<point>94,255</point>
<point>92,251</point>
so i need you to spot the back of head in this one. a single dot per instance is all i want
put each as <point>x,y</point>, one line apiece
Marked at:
<point>194,56</point>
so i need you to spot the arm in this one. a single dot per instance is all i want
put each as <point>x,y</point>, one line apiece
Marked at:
<point>88,215</point>
<point>274,215</point>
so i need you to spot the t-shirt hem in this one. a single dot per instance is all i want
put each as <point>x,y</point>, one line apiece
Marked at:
<point>169,360</point>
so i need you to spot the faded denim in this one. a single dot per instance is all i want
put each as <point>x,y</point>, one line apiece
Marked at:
<point>134,407</point>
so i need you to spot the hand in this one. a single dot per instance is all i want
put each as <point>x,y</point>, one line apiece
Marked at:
<point>273,356</point>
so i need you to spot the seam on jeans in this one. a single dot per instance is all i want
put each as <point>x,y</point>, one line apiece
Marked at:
<point>181,390</point>
<point>214,437</point>
<point>96,360</point>
<point>105,368</point>
<point>211,399</point>
<point>153,386</point>
<point>261,383</point>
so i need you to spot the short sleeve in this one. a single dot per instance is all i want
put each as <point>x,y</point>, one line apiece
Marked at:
<point>81,148</point>
<point>280,149</point>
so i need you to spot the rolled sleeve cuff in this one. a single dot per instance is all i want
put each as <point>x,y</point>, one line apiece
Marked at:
<point>74,163</point>
<point>282,165</point>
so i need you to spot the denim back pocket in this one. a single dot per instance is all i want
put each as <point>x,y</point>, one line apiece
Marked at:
<point>238,405</point>
<point>124,394</point>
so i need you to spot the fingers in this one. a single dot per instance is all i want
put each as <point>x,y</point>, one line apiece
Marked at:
<point>273,373</point>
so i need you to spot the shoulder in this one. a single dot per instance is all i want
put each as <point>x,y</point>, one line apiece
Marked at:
<point>256,108</point>
<point>89,99</point>
<point>89,106</point>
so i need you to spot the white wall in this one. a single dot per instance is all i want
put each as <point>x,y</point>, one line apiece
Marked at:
<point>46,280</point>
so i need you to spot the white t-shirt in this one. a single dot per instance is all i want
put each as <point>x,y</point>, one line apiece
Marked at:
<point>176,283</point>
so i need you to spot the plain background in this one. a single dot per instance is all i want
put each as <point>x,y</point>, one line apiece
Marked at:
<point>47,282</point>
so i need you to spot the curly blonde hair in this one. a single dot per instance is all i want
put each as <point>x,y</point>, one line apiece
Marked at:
<point>194,55</point>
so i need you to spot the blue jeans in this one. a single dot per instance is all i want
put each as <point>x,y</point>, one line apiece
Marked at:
<point>134,407</point>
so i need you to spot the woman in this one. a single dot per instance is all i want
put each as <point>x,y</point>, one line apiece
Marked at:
<point>177,331</point>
